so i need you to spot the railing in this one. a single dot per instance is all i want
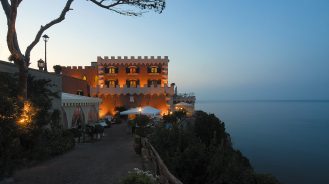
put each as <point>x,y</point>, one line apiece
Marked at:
<point>186,94</point>
<point>138,90</point>
<point>189,98</point>
<point>160,168</point>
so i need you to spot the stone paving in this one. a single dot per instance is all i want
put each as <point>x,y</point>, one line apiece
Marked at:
<point>102,162</point>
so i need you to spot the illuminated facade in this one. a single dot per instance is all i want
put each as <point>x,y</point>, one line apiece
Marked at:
<point>129,82</point>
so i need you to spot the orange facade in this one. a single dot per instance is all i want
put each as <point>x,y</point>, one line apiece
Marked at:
<point>129,82</point>
<point>87,73</point>
<point>75,86</point>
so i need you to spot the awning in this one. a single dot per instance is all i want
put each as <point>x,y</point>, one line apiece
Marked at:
<point>147,110</point>
<point>73,100</point>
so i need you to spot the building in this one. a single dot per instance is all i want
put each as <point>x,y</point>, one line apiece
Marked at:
<point>129,82</point>
<point>75,110</point>
<point>184,101</point>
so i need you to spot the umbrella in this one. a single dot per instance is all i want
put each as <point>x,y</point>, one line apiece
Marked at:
<point>147,110</point>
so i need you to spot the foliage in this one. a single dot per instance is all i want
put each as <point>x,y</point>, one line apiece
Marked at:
<point>50,143</point>
<point>141,125</point>
<point>117,116</point>
<point>120,109</point>
<point>142,120</point>
<point>175,117</point>
<point>19,144</point>
<point>202,153</point>
<point>9,131</point>
<point>138,176</point>
<point>57,69</point>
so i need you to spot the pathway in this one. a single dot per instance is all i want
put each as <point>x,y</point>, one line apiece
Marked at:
<point>103,162</point>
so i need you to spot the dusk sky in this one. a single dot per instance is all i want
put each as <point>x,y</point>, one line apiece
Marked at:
<point>219,49</point>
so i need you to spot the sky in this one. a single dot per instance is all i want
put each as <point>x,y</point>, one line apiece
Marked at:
<point>218,49</point>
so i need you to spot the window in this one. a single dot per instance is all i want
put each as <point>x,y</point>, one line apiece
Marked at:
<point>154,69</point>
<point>111,70</point>
<point>132,83</point>
<point>111,83</point>
<point>106,70</point>
<point>132,70</point>
<point>155,83</point>
<point>107,83</point>
<point>80,92</point>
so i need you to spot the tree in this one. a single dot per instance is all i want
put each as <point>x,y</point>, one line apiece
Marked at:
<point>203,153</point>
<point>22,60</point>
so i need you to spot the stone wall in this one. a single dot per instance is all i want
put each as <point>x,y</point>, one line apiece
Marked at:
<point>56,80</point>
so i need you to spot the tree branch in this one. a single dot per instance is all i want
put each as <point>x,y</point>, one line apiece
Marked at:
<point>44,28</point>
<point>112,5</point>
<point>6,7</point>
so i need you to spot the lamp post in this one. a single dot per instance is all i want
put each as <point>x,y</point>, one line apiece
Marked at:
<point>140,111</point>
<point>41,64</point>
<point>45,38</point>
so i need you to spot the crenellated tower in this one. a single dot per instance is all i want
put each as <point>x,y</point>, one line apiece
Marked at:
<point>127,81</point>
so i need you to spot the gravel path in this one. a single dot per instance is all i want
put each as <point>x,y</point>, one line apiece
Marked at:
<point>106,161</point>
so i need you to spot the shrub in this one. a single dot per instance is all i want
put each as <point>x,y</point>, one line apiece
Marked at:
<point>21,145</point>
<point>138,176</point>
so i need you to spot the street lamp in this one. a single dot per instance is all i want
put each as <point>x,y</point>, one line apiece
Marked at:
<point>41,64</point>
<point>140,111</point>
<point>45,38</point>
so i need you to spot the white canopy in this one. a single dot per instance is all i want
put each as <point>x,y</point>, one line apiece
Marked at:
<point>147,110</point>
<point>183,104</point>
<point>78,99</point>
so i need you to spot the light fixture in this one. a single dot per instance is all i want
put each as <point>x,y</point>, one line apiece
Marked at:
<point>45,38</point>
<point>41,64</point>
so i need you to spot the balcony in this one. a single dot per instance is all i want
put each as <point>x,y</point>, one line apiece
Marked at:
<point>152,90</point>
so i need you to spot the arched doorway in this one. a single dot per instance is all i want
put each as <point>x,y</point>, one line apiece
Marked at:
<point>78,118</point>
<point>92,115</point>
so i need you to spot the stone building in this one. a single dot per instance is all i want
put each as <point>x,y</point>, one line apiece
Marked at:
<point>129,82</point>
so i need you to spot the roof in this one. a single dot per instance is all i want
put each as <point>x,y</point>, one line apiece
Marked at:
<point>78,99</point>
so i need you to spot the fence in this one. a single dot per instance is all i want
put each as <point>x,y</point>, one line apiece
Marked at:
<point>159,167</point>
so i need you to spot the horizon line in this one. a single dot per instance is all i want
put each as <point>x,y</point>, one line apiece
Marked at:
<point>263,100</point>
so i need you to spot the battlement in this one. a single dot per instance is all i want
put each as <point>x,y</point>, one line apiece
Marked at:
<point>133,58</point>
<point>152,90</point>
<point>78,67</point>
<point>117,60</point>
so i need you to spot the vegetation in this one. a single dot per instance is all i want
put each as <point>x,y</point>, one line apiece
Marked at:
<point>139,177</point>
<point>117,117</point>
<point>200,151</point>
<point>38,139</point>
<point>57,69</point>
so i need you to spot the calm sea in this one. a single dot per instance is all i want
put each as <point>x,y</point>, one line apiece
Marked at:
<point>289,139</point>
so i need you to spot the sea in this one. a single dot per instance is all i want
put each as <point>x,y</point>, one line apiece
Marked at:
<point>289,139</point>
